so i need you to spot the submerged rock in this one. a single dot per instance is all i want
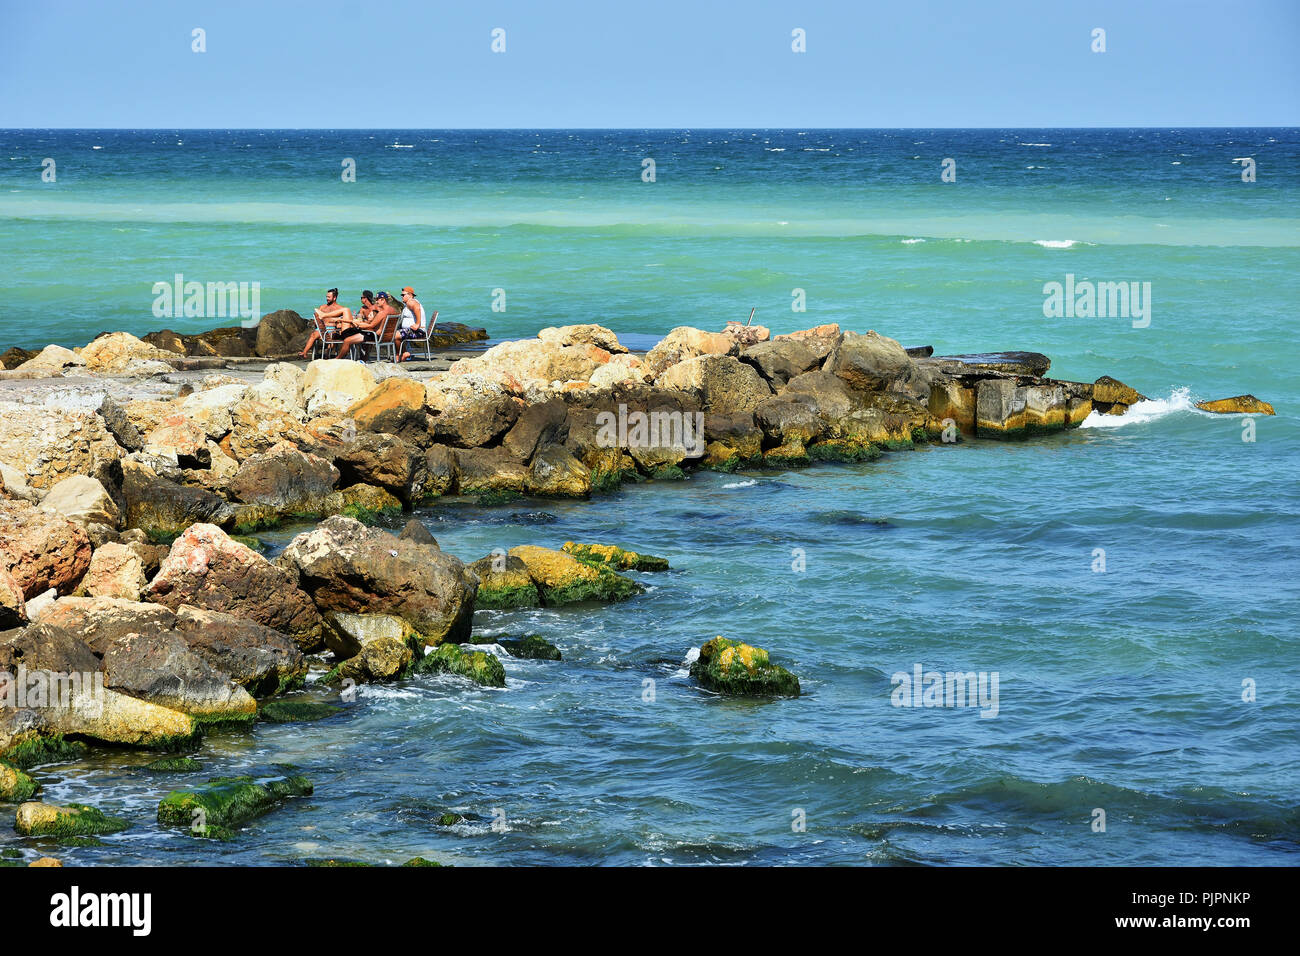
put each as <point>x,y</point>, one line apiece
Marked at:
<point>478,666</point>
<point>174,765</point>
<point>1241,404</point>
<point>736,669</point>
<point>214,809</point>
<point>528,647</point>
<point>296,711</point>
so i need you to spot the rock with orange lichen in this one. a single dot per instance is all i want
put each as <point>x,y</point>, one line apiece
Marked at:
<point>736,669</point>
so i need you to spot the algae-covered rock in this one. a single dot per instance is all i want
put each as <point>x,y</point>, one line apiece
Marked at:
<point>478,666</point>
<point>73,819</point>
<point>734,668</point>
<point>529,647</point>
<point>1240,404</point>
<point>563,579</point>
<point>421,861</point>
<point>615,557</point>
<point>16,786</point>
<point>295,711</point>
<point>504,582</point>
<point>213,809</point>
<point>36,750</point>
<point>174,765</point>
<point>381,659</point>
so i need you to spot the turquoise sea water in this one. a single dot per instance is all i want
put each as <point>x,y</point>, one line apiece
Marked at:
<point>1119,691</point>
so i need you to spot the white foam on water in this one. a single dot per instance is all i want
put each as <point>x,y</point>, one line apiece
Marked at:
<point>1055,243</point>
<point>908,242</point>
<point>692,656</point>
<point>749,483</point>
<point>1179,400</point>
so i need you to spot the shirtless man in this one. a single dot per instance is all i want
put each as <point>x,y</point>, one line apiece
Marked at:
<point>370,322</point>
<point>332,316</point>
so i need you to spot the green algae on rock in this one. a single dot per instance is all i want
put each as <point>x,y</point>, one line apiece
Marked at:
<point>504,583</point>
<point>70,820</point>
<point>213,809</point>
<point>174,765</point>
<point>478,666</point>
<point>296,711</point>
<point>563,579</point>
<point>16,786</point>
<point>734,668</point>
<point>529,646</point>
<point>40,750</point>
<point>615,557</point>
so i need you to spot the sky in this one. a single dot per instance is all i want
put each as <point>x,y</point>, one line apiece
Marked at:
<point>416,64</point>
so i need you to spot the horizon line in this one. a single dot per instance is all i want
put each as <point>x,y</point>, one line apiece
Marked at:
<point>584,129</point>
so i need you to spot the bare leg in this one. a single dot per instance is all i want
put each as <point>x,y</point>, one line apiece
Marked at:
<point>354,339</point>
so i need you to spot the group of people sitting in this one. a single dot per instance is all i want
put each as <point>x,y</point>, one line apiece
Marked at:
<point>373,315</point>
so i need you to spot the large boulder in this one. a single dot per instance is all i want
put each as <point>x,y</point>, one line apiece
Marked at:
<point>723,383</point>
<point>348,634</point>
<point>208,569</point>
<point>113,717</point>
<point>257,426</point>
<point>439,475</point>
<point>46,647</point>
<point>385,461</point>
<point>281,387</point>
<point>161,668</point>
<point>394,406</point>
<point>46,444</point>
<point>334,385</point>
<point>40,550</point>
<point>490,471</point>
<point>210,408</point>
<point>682,343</point>
<point>532,362</point>
<point>52,360</point>
<point>180,442</point>
<point>116,571</point>
<point>778,362</point>
<point>277,332</point>
<point>621,368</point>
<point>873,362</point>
<point>163,509</point>
<point>822,339</point>
<point>1007,410</point>
<point>258,658</point>
<point>469,411</point>
<point>540,424</point>
<point>349,567</point>
<point>114,352</point>
<point>284,481</point>
<point>589,334</point>
<point>84,501</point>
<point>98,622</point>
<point>556,473</point>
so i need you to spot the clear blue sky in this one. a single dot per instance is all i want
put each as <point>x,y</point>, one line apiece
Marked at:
<point>662,63</point>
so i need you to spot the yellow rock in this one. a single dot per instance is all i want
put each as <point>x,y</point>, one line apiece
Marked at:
<point>1240,404</point>
<point>45,861</point>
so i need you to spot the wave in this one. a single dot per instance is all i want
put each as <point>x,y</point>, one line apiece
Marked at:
<point>1179,400</point>
<point>1055,243</point>
<point>908,242</point>
<point>749,483</point>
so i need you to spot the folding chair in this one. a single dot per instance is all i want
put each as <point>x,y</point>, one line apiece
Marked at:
<point>378,338</point>
<point>328,337</point>
<point>417,340</point>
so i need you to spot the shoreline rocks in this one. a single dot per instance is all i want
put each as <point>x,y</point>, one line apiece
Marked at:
<point>735,669</point>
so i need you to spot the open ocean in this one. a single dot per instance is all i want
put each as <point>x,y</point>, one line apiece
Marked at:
<point>1119,691</point>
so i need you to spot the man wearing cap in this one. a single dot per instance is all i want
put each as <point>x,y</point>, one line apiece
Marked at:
<point>412,324</point>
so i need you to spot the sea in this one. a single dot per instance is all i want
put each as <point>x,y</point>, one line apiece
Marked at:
<point>1128,591</point>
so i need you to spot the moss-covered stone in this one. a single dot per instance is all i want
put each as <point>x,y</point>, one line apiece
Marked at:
<point>73,819</point>
<point>667,473</point>
<point>790,455</point>
<point>615,557</point>
<point>296,711</point>
<point>223,803</point>
<point>843,450</point>
<point>16,786</point>
<point>174,765</point>
<point>495,496</point>
<point>529,647</point>
<point>478,666</point>
<point>35,751</point>
<point>504,583</point>
<point>250,541</point>
<point>738,669</point>
<point>563,579</point>
<point>333,862</point>
<point>421,861</point>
